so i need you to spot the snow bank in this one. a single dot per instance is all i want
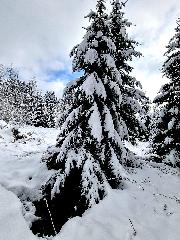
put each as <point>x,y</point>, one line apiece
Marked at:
<point>21,170</point>
<point>20,162</point>
<point>12,224</point>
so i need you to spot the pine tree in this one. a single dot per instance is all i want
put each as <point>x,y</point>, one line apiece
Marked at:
<point>135,105</point>
<point>39,118</point>
<point>13,107</point>
<point>166,139</point>
<point>29,101</point>
<point>2,73</point>
<point>11,95</point>
<point>51,104</point>
<point>89,157</point>
<point>15,95</point>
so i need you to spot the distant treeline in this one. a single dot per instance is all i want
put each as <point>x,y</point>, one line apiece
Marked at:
<point>23,103</point>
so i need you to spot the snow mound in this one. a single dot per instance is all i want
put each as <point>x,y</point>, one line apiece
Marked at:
<point>12,224</point>
<point>21,169</point>
<point>20,161</point>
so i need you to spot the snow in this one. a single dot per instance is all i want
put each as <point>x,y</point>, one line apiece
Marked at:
<point>99,34</point>
<point>109,124</point>
<point>171,123</point>
<point>59,182</point>
<point>92,85</point>
<point>2,124</point>
<point>172,157</point>
<point>12,224</point>
<point>72,117</point>
<point>90,182</point>
<point>118,169</point>
<point>20,166</point>
<point>148,207</point>
<point>22,174</point>
<point>141,149</point>
<point>110,43</point>
<point>95,123</point>
<point>174,110</point>
<point>168,140</point>
<point>109,61</point>
<point>116,88</point>
<point>91,56</point>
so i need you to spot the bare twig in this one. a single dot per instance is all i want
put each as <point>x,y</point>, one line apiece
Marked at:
<point>172,198</point>
<point>132,226</point>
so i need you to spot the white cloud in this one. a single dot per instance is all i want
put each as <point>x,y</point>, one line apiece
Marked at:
<point>37,36</point>
<point>57,86</point>
<point>155,22</point>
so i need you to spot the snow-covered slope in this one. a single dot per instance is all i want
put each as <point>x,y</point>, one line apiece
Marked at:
<point>20,165</point>
<point>12,224</point>
<point>147,209</point>
<point>22,173</point>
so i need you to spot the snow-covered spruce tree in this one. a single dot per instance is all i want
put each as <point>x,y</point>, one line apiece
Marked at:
<point>89,157</point>
<point>11,96</point>
<point>2,74</point>
<point>166,139</point>
<point>39,118</point>
<point>29,101</point>
<point>51,105</point>
<point>135,105</point>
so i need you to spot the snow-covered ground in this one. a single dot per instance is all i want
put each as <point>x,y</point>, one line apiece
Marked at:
<point>20,166</point>
<point>12,224</point>
<point>147,209</point>
<point>22,173</point>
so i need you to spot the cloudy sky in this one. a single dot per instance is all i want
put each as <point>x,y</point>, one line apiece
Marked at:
<point>36,36</point>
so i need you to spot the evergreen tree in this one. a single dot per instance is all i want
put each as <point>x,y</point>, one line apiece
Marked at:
<point>135,105</point>
<point>51,104</point>
<point>15,95</point>
<point>10,95</point>
<point>166,138</point>
<point>89,157</point>
<point>39,118</point>
<point>2,73</point>
<point>29,101</point>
